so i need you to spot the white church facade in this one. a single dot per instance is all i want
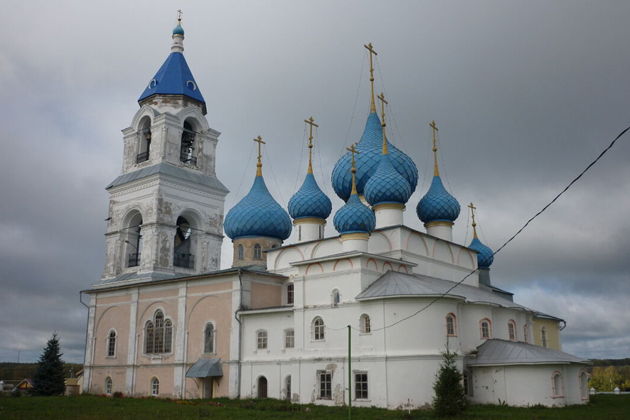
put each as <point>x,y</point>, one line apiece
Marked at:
<point>165,320</point>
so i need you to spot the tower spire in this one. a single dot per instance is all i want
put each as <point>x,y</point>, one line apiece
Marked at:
<point>352,149</point>
<point>311,123</point>
<point>178,35</point>
<point>370,48</point>
<point>436,169</point>
<point>260,142</point>
<point>384,102</point>
<point>472,208</point>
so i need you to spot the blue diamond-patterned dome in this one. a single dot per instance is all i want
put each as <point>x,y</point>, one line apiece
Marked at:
<point>387,185</point>
<point>257,214</point>
<point>484,256</point>
<point>310,201</point>
<point>437,204</point>
<point>367,161</point>
<point>354,217</point>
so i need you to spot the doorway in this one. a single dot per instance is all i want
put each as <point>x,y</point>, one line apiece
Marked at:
<point>262,387</point>
<point>207,385</point>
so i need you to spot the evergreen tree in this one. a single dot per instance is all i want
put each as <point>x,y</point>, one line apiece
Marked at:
<point>49,377</point>
<point>449,398</point>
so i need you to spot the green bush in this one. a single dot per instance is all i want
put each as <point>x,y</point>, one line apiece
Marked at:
<point>449,399</point>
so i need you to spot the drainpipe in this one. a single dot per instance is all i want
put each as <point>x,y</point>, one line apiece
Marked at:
<point>240,334</point>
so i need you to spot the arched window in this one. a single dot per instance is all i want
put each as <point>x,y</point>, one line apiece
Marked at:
<point>289,338</point>
<point>318,329</point>
<point>240,252</point>
<point>108,385</point>
<point>182,256</point>
<point>512,330</point>
<point>187,152</point>
<point>364,324</point>
<point>290,293</point>
<point>158,334</point>
<point>261,339</point>
<point>208,343</point>
<point>257,252</point>
<point>486,328</point>
<point>543,336</point>
<point>299,232</point>
<point>134,240</point>
<point>556,384</point>
<point>584,385</point>
<point>111,344</point>
<point>155,387</point>
<point>336,298</point>
<point>144,146</point>
<point>451,325</point>
<point>525,333</point>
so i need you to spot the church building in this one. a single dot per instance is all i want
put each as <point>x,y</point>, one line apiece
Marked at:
<point>166,320</point>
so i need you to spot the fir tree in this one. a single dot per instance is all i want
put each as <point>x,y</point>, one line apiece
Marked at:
<point>449,398</point>
<point>49,377</point>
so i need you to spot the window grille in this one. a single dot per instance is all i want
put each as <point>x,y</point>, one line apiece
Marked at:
<point>361,385</point>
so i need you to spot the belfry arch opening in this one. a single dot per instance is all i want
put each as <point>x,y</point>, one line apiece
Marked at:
<point>133,239</point>
<point>187,150</point>
<point>182,247</point>
<point>144,140</point>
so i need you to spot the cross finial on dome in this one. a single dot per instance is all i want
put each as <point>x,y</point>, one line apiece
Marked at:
<point>472,208</point>
<point>260,142</point>
<point>384,102</point>
<point>370,48</point>
<point>352,149</point>
<point>311,124</point>
<point>178,34</point>
<point>436,170</point>
<point>179,16</point>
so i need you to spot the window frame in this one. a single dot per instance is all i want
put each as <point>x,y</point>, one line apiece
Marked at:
<point>555,392</point>
<point>364,389</point>
<point>290,293</point>
<point>240,252</point>
<point>262,340</point>
<point>109,351</point>
<point>319,330</point>
<point>451,316</point>
<point>525,333</point>
<point>213,349</point>
<point>543,337</point>
<point>335,298</point>
<point>512,332</point>
<point>289,336</point>
<point>109,385</point>
<point>160,341</point>
<point>257,252</point>
<point>489,329</point>
<point>155,386</point>
<point>324,384</point>
<point>365,324</point>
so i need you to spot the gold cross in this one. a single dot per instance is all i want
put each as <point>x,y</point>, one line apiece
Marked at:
<point>260,142</point>
<point>472,208</point>
<point>311,123</point>
<point>436,170</point>
<point>352,149</point>
<point>384,102</point>
<point>370,48</point>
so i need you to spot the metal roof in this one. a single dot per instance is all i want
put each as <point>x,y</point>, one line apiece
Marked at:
<point>205,368</point>
<point>503,352</point>
<point>171,170</point>
<point>393,284</point>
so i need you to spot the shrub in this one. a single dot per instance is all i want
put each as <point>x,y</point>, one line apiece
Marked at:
<point>449,398</point>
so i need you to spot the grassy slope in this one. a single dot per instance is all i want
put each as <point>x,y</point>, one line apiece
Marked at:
<point>608,407</point>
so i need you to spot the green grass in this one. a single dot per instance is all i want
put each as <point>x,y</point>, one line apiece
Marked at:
<point>608,407</point>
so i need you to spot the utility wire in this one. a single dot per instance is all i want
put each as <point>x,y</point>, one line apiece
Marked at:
<point>531,219</point>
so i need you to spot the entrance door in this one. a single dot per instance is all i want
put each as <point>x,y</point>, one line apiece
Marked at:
<point>262,387</point>
<point>207,387</point>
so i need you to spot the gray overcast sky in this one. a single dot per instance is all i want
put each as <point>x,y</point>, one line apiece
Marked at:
<point>525,93</point>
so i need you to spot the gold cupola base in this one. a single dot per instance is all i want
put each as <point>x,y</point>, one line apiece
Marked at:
<point>252,251</point>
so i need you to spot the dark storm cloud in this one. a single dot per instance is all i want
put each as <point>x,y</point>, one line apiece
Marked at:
<point>525,96</point>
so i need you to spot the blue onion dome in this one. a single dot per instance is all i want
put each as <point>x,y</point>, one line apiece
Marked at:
<point>257,214</point>
<point>354,217</point>
<point>178,29</point>
<point>310,201</point>
<point>368,160</point>
<point>387,185</point>
<point>485,255</point>
<point>437,204</point>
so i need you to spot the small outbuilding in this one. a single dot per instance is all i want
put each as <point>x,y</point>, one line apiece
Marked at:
<point>522,374</point>
<point>24,386</point>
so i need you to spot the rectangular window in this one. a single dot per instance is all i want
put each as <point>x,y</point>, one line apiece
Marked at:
<point>290,293</point>
<point>289,338</point>
<point>325,384</point>
<point>361,385</point>
<point>261,340</point>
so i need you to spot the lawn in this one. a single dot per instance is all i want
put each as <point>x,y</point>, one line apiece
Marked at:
<point>608,407</point>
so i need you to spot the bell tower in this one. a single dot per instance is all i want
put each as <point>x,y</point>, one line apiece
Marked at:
<point>166,208</point>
